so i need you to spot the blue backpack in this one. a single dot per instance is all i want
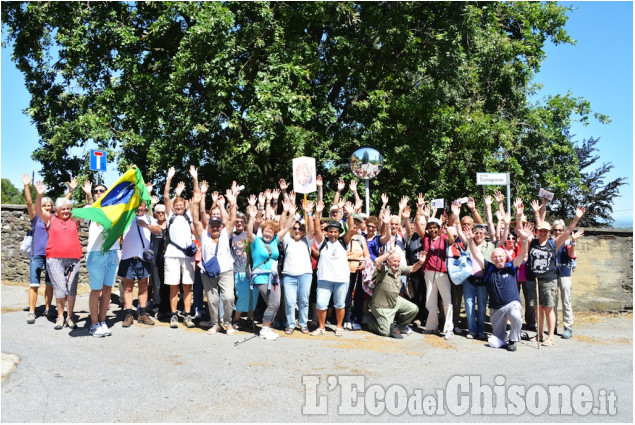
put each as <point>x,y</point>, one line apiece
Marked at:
<point>459,269</point>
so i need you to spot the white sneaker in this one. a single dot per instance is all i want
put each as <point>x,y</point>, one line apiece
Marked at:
<point>268,334</point>
<point>96,330</point>
<point>407,330</point>
<point>448,335</point>
<point>347,325</point>
<point>105,328</point>
<point>457,330</point>
<point>356,326</point>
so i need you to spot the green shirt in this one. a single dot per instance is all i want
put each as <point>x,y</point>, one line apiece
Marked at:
<point>388,286</point>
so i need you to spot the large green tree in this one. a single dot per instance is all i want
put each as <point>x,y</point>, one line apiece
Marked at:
<point>241,88</point>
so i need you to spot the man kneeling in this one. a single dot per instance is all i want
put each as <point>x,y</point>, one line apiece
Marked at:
<point>500,281</point>
<point>386,303</point>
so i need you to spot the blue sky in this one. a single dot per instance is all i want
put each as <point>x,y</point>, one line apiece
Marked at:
<point>599,68</point>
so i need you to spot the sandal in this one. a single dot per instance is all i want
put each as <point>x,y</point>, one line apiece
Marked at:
<point>288,331</point>
<point>304,330</point>
<point>339,331</point>
<point>213,330</point>
<point>547,342</point>
<point>318,332</point>
<point>229,330</point>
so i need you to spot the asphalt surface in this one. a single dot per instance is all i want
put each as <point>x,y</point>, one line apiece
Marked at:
<point>158,374</point>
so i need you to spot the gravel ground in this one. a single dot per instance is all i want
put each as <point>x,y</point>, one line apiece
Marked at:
<point>158,374</point>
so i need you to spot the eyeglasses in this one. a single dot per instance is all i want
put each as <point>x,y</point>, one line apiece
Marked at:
<point>159,212</point>
<point>511,238</point>
<point>371,226</point>
<point>99,190</point>
<point>558,230</point>
<point>297,228</point>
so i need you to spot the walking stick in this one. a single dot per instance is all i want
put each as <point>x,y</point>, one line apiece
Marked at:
<point>537,313</point>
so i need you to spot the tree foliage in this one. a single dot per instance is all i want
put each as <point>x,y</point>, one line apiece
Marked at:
<point>241,88</point>
<point>592,191</point>
<point>11,194</point>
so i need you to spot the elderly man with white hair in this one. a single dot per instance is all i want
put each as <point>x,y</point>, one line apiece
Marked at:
<point>500,281</point>
<point>386,304</point>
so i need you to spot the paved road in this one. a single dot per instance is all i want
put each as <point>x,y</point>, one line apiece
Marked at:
<point>158,374</point>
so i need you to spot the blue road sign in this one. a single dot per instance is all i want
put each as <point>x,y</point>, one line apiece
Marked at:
<point>97,160</point>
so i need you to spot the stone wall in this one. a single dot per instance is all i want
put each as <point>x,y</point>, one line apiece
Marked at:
<point>602,281</point>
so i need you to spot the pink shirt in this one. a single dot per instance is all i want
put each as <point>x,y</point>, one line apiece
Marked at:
<point>63,239</point>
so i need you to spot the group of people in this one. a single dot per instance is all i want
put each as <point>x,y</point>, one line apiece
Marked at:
<point>387,272</point>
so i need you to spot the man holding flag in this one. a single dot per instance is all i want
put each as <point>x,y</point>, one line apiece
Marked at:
<point>110,215</point>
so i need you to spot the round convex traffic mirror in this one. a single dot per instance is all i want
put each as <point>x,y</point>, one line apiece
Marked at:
<point>366,163</point>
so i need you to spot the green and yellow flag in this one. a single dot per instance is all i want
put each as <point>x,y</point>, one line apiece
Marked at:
<point>116,209</point>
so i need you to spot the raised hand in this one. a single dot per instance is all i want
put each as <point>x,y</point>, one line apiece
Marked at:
<point>468,233</point>
<point>403,202</point>
<point>193,172</point>
<point>526,232</point>
<point>579,212</point>
<point>276,194</point>
<point>196,199</point>
<point>87,187</point>
<point>319,207</point>
<point>353,185</point>
<point>422,256</point>
<point>283,184</point>
<point>268,195</point>
<point>507,218</point>
<point>384,199</point>
<point>348,207</point>
<point>149,187</point>
<point>421,200</point>
<point>341,184</point>
<point>470,203</point>
<point>252,209</point>
<point>251,200</point>
<point>576,235</point>
<point>499,215</point>
<point>308,206</point>
<point>171,172</point>
<point>203,187</point>
<point>499,197</point>
<point>405,213</point>
<point>261,199</point>
<point>220,201</point>
<point>456,208</point>
<point>285,205</point>
<point>488,200</point>
<point>179,188</point>
<point>40,187</point>
<point>426,211</point>
<point>535,205</point>
<point>385,217</point>
<point>292,197</point>
<point>72,184</point>
<point>318,180</point>
<point>358,205</point>
<point>340,204</point>
<point>154,199</point>
<point>235,188</point>
<point>26,179</point>
<point>231,199</point>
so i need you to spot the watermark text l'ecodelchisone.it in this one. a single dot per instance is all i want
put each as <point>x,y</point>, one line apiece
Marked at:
<point>462,395</point>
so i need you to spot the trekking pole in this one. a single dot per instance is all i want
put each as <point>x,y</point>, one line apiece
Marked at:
<point>537,313</point>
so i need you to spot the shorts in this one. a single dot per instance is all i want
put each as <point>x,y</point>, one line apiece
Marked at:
<point>134,268</point>
<point>548,292</point>
<point>102,268</point>
<point>63,285</point>
<point>324,290</point>
<point>179,268</point>
<point>37,264</point>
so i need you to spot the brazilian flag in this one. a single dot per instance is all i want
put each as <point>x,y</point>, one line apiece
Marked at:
<point>116,209</point>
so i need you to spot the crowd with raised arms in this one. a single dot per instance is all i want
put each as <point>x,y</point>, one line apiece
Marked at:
<point>281,262</point>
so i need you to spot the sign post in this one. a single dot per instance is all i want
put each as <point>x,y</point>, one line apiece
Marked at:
<point>495,179</point>
<point>366,163</point>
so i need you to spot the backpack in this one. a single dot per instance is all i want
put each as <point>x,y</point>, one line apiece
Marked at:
<point>459,264</point>
<point>189,250</point>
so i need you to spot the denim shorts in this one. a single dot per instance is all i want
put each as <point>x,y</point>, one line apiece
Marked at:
<point>37,265</point>
<point>102,268</point>
<point>134,268</point>
<point>324,290</point>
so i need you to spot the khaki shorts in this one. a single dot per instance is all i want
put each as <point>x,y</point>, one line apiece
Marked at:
<point>548,292</point>
<point>179,270</point>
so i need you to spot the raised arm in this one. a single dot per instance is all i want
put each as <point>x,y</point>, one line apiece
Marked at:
<point>252,210</point>
<point>26,179</point>
<point>320,188</point>
<point>340,187</point>
<point>319,236</point>
<point>579,212</point>
<point>87,187</point>
<point>572,246</point>
<point>421,202</point>
<point>310,225</point>
<point>350,210</point>
<point>477,255</point>
<point>384,216</point>
<point>290,218</point>
<point>526,235</point>
<point>231,201</point>
<point>472,207</point>
<point>353,187</point>
<point>166,191</point>
<point>45,216</point>
<point>71,187</point>
<point>488,216</point>
<point>195,210</point>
